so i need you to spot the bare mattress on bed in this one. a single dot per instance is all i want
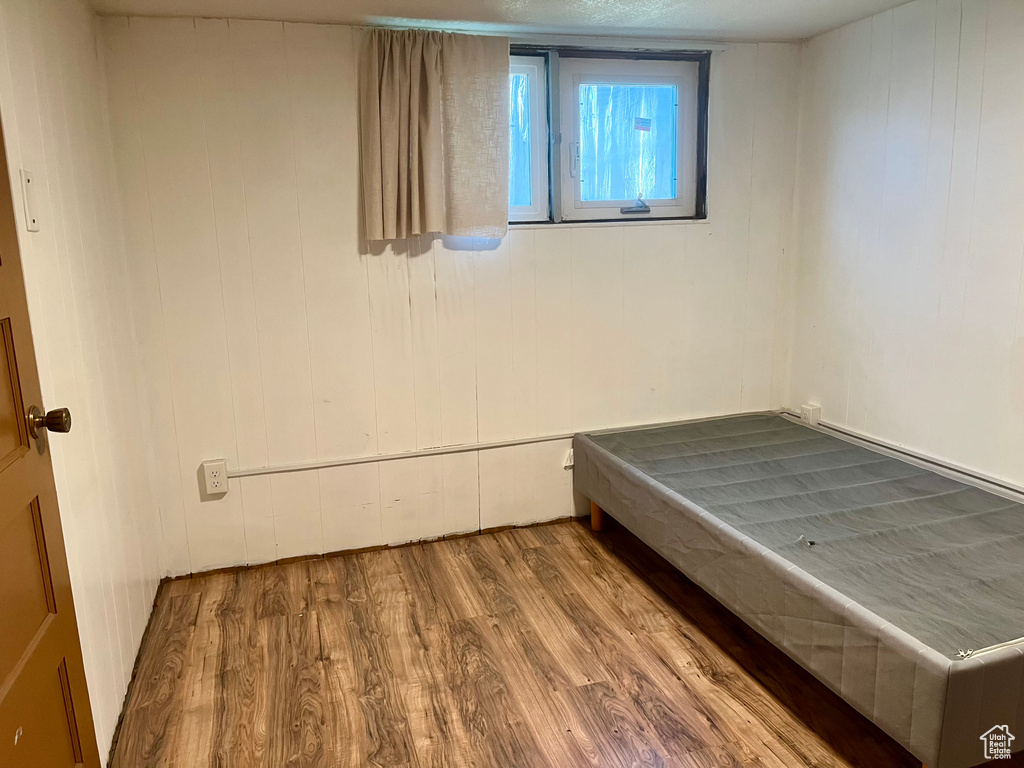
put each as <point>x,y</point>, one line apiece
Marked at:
<point>888,581</point>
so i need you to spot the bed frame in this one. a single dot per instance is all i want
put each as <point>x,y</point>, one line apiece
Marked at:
<point>935,706</point>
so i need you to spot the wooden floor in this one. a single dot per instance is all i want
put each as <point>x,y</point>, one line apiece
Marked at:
<point>547,646</point>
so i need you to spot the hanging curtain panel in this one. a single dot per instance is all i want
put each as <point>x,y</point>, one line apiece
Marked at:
<point>434,115</point>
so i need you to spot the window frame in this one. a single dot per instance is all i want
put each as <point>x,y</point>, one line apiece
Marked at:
<point>576,73</point>
<point>558,187</point>
<point>535,69</point>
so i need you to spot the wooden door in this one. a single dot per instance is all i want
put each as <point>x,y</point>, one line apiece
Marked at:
<point>45,719</point>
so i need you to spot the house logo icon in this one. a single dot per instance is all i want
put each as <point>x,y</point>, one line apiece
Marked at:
<point>997,742</point>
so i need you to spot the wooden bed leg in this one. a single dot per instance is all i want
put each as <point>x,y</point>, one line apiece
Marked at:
<point>596,517</point>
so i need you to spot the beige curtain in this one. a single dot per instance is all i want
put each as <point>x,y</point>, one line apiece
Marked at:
<point>434,134</point>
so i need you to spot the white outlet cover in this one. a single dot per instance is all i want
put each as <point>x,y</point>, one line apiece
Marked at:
<point>810,413</point>
<point>215,477</point>
<point>28,192</point>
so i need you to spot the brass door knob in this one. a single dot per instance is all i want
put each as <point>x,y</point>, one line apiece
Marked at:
<point>57,420</point>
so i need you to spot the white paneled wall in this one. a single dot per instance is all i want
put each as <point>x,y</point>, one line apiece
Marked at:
<point>52,98</point>
<point>908,319</point>
<point>271,336</point>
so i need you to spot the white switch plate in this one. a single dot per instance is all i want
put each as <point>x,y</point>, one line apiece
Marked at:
<point>215,474</point>
<point>28,192</point>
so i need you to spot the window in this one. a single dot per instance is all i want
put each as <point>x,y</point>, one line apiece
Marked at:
<point>627,141</point>
<point>528,198</point>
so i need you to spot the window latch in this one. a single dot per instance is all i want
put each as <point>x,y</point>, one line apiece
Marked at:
<point>639,207</point>
<point>574,158</point>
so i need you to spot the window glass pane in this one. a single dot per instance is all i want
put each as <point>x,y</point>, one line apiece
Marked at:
<point>627,141</point>
<point>520,176</point>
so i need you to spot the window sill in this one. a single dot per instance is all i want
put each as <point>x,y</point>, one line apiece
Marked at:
<point>606,223</point>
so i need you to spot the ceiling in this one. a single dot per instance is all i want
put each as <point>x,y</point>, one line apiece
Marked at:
<point>721,20</point>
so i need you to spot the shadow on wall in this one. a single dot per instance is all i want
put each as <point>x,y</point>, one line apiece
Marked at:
<point>417,246</point>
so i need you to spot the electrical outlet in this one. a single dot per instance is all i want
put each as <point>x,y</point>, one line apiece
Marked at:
<point>28,191</point>
<point>810,413</point>
<point>215,474</point>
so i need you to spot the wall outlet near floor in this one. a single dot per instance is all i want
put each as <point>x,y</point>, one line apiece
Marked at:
<point>215,475</point>
<point>810,414</point>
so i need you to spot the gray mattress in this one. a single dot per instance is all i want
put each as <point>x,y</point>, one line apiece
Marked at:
<point>877,575</point>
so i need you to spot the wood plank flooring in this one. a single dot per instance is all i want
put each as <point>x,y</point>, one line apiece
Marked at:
<point>545,646</point>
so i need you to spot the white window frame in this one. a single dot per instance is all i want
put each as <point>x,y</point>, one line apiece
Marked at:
<point>685,75</point>
<point>535,69</point>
